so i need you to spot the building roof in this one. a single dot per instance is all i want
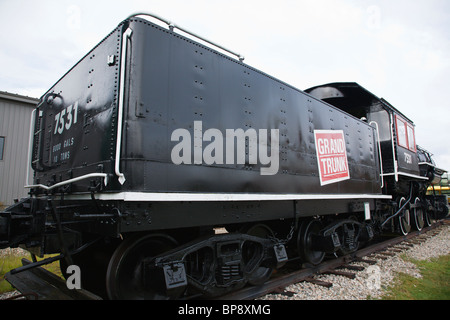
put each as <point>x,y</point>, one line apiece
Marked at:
<point>18,98</point>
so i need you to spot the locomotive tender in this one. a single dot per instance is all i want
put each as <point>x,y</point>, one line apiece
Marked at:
<point>164,167</point>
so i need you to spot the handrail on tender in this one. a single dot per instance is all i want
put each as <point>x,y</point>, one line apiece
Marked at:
<point>172,26</point>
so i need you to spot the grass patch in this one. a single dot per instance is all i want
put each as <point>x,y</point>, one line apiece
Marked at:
<point>11,261</point>
<point>434,284</point>
<point>7,263</point>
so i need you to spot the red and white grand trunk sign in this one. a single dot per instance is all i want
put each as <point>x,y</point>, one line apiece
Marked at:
<point>331,156</point>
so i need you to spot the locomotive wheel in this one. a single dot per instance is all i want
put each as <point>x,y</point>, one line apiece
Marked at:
<point>426,218</point>
<point>418,219</point>
<point>261,274</point>
<point>404,219</point>
<point>124,275</point>
<point>305,243</point>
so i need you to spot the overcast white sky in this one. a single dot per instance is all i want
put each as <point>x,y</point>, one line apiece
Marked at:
<point>397,49</point>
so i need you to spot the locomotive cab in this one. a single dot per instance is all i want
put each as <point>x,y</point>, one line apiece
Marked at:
<point>396,136</point>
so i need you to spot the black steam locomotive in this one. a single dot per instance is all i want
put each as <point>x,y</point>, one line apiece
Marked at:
<point>165,167</point>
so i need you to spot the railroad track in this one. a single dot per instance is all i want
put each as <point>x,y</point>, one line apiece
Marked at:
<point>40,284</point>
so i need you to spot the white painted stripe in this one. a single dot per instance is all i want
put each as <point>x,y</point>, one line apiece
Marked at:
<point>181,196</point>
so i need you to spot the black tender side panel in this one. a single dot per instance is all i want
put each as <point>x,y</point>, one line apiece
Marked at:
<point>173,84</point>
<point>176,82</point>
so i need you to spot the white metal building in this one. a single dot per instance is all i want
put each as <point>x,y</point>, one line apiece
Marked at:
<point>15,113</point>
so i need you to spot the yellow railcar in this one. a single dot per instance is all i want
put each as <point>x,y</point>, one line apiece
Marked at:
<point>443,188</point>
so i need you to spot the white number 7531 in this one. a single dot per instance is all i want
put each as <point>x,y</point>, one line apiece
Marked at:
<point>61,121</point>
